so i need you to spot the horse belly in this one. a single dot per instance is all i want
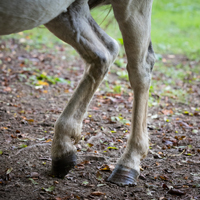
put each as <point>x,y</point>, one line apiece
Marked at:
<point>19,15</point>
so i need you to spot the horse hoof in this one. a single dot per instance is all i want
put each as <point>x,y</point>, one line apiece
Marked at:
<point>61,166</point>
<point>123,176</point>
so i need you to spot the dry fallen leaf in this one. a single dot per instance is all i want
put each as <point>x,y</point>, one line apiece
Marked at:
<point>7,89</point>
<point>4,128</point>
<point>58,198</point>
<point>43,83</point>
<point>90,145</point>
<point>167,112</point>
<point>157,163</point>
<point>13,136</point>
<point>49,140</point>
<point>165,186</point>
<point>97,193</point>
<point>85,162</point>
<point>176,192</point>
<point>105,168</point>
<point>119,140</point>
<point>30,120</point>
<point>164,177</point>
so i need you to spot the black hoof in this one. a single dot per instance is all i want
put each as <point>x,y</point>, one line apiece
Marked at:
<point>123,176</point>
<point>61,166</point>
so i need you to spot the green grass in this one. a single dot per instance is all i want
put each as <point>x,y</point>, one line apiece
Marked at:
<point>175,26</point>
<point>35,38</point>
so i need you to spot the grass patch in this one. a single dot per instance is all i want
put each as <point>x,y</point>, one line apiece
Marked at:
<point>174,81</point>
<point>175,26</point>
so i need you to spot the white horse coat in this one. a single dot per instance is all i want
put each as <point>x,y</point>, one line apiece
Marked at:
<point>20,15</point>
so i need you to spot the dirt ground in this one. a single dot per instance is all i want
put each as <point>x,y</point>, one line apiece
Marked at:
<point>31,103</point>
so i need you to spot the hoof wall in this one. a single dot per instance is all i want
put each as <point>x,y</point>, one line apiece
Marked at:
<point>123,176</point>
<point>61,166</point>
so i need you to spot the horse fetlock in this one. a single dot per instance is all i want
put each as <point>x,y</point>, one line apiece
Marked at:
<point>68,127</point>
<point>65,133</point>
<point>63,151</point>
<point>130,160</point>
<point>61,147</point>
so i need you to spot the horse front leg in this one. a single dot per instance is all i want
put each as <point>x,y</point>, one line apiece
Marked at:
<point>77,28</point>
<point>134,19</point>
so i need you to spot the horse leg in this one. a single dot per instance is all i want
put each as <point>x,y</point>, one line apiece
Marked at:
<point>77,28</point>
<point>134,19</point>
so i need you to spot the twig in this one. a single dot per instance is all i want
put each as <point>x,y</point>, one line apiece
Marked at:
<point>32,146</point>
<point>176,154</point>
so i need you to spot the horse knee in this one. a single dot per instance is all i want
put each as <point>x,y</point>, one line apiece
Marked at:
<point>99,66</point>
<point>102,60</point>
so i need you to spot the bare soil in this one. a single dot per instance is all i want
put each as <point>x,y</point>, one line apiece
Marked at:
<point>28,113</point>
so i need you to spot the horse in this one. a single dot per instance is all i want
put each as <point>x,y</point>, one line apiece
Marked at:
<point>71,21</point>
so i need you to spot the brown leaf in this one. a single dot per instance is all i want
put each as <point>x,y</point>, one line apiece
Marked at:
<point>85,162</point>
<point>165,186</point>
<point>97,193</point>
<point>105,168</point>
<point>196,114</point>
<point>90,145</point>
<point>58,198</point>
<point>176,192</point>
<point>167,112</point>
<point>164,177</point>
<point>157,163</point>
<point>7,89</point>
<point>180,137</point>
<point>30,120</point>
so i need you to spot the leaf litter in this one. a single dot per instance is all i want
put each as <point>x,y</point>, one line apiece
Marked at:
<point>35,87</point>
